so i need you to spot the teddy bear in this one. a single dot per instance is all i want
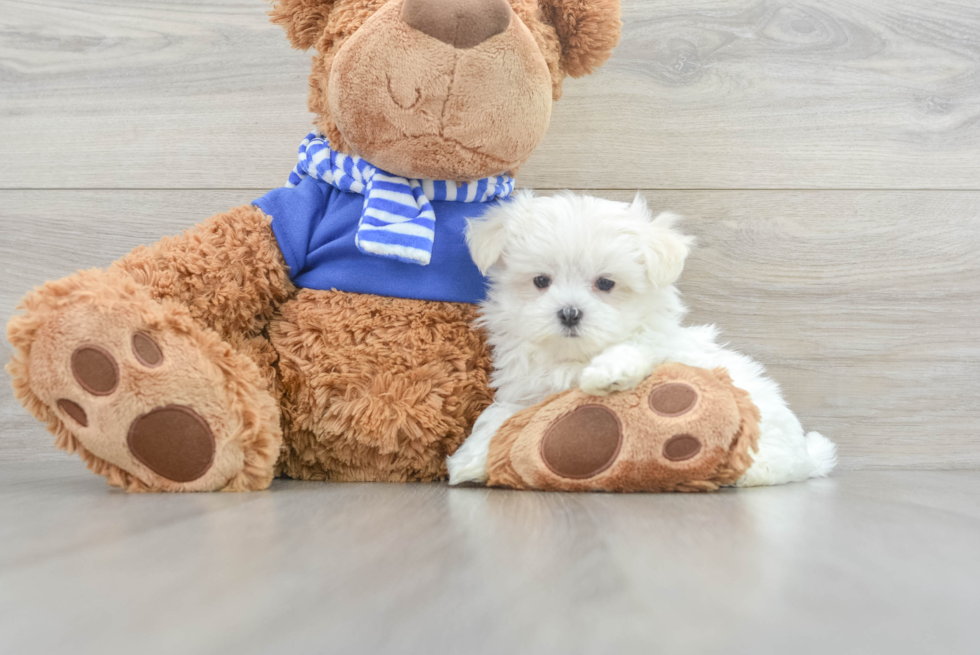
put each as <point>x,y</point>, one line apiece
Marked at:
<point>323,331</point>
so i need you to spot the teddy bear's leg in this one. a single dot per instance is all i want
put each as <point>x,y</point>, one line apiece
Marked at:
<point>156,371</point>
<point>377,389</point>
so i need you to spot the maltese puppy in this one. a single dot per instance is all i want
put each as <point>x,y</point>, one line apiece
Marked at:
<point>581,293</point>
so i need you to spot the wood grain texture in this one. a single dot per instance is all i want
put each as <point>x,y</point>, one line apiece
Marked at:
<point>869,562</point>
<point>864,305</point>
<point>703,94</point>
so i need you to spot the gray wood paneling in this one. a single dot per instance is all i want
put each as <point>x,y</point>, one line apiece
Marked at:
<point>864,305</point>
<point>701,94</point>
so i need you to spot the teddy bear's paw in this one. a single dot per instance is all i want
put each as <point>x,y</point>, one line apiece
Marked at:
<point>681,429</point>
<point>139,386</point>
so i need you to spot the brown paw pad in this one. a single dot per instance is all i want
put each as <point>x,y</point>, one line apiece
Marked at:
<point>174,442</point>
<point>583,443</point>
<point>95,370</point>
<point>74,410</point>
<point>681,447</point>
<point>673,399</point>
<point>146,350</point>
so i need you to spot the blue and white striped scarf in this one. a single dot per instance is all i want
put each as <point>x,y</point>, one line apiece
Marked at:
<point>397,220</point>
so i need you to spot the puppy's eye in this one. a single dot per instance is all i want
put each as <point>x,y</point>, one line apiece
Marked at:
<point>542,281</point>
<point>604,284</point>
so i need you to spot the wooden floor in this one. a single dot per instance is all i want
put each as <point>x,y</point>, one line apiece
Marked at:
<point>866,562</point>
<point>826,155</point>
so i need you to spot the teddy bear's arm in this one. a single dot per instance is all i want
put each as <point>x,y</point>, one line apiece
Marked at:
<point>228,271</point>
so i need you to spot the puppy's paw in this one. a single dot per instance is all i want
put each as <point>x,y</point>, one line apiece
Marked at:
<point>618,369</point>
<point>469,462</point>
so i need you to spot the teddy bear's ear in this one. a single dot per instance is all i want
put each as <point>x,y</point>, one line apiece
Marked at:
<point>303,20</point>
<point>587,29</point>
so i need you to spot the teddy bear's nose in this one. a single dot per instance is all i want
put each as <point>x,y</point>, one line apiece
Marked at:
<point>460,23</point>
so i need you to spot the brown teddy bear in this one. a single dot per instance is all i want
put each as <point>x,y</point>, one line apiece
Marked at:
<point>322,332</point>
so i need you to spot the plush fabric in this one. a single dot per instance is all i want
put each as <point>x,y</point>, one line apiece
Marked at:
<point>377,388</point>
<point>587,29</point>
<point>397,220</point>
<point>227,271</point>
<point>695,437</point>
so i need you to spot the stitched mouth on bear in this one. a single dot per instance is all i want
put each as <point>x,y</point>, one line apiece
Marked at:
<point>399,101</point>
<point>502,165</point>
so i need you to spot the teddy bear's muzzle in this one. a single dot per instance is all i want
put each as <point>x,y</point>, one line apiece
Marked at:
<point>442,89</point>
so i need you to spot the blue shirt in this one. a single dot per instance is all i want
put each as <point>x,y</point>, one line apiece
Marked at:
<point>315,224</point>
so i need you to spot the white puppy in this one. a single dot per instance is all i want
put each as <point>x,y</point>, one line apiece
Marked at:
<point>581,293</point>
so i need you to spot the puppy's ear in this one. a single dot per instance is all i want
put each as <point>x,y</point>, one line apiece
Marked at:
<point>303,20</point>
<point>486,236</point>
<point>588,30</point>
<point>664,248</point>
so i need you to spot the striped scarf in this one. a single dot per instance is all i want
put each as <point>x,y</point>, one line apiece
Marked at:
<point>397,220</point>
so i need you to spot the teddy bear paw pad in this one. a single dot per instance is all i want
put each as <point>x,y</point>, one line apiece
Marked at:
<point>681,447</point>
<point>95,370</point>
<point>146,350</point>
<point>673,399</point>
<point>150,397</point>
<point>582,444</point>
<point>74,411</point>
<point>173,442</point>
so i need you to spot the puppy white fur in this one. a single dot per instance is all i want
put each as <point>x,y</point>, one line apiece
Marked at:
<point>581,293</point>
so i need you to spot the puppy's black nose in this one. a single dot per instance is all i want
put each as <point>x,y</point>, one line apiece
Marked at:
<point>569,316</point>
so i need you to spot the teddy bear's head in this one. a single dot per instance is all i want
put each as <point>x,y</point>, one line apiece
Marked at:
<point>444,89</point>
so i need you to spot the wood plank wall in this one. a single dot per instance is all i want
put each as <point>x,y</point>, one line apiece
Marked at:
<point>826,154</point>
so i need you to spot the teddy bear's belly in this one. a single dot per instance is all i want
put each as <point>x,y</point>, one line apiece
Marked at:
<point>376,388</point>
